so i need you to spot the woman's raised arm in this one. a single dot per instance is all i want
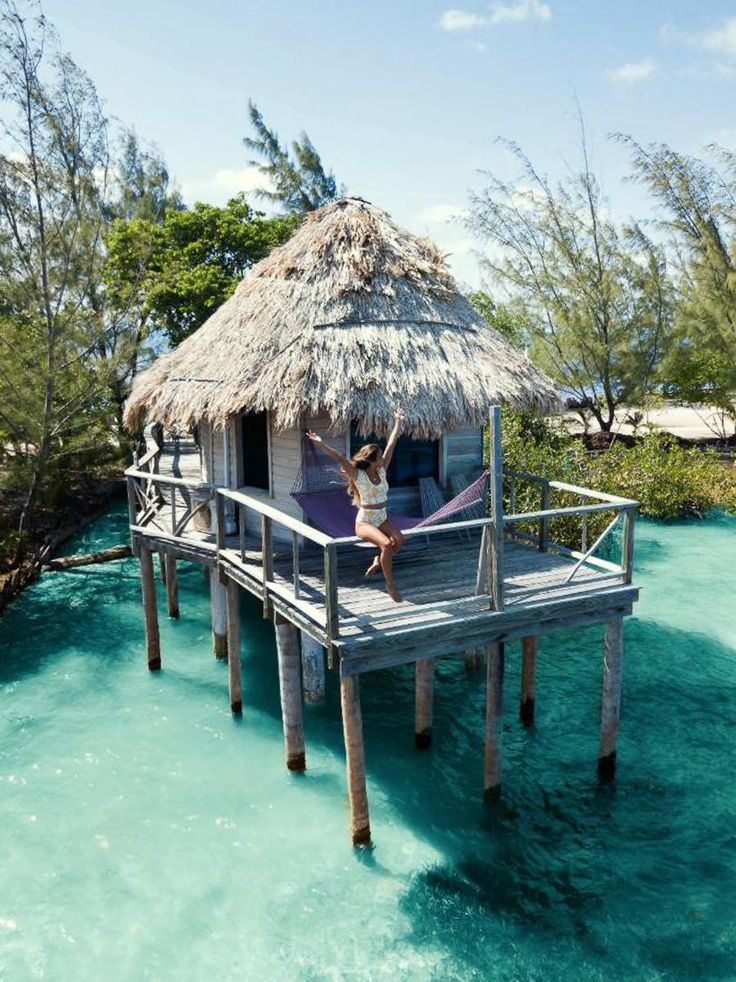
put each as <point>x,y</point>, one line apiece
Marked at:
<point>331,452</point>
<point>391,445</point>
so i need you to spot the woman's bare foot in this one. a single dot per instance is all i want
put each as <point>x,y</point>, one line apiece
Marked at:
<point>374,566</point>
<point>393,592</point>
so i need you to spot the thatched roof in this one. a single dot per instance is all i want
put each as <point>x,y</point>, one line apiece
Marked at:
<point>350,317</point>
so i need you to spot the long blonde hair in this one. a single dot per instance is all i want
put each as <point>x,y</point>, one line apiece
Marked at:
<point>361,461</point>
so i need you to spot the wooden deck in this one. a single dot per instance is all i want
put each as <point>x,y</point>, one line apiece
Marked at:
<point>443,609</point>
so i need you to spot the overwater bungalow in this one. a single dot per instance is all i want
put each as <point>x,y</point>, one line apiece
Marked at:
<point>352,317</point>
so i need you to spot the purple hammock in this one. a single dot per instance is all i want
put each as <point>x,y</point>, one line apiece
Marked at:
<point>320,491</point>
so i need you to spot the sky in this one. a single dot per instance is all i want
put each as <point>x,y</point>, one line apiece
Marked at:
<point>405,101</point>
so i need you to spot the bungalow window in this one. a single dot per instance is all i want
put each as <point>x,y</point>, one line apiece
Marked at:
<point>254,447</point>
<point>412,458</point>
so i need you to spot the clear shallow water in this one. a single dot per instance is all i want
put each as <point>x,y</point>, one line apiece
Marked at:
<point>148,835</point>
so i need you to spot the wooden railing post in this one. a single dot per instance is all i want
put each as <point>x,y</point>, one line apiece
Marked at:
<point>495,537</point>
<point>219,521</point>
<point>241,531</point>
<point>132,512</point>
<point>267,561</point>
<point>332,621</point>
<point>627,544</point>
<point>295,562</point>
<point>544,522</point>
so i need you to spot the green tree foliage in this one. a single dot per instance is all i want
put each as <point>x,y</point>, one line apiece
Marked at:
<point>698,200</point>
<point>53,179</point>
<point>296,177</point>
<point>669,481</point>
<point>179,271</point>
<point>501,317</point>
<point>595,297</point>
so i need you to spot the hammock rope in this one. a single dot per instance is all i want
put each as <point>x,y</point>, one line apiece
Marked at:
<point>320,490</point>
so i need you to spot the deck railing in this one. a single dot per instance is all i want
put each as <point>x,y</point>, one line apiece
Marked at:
<point>622,509</point>
<point>321,608</point>
<point>167,504</point>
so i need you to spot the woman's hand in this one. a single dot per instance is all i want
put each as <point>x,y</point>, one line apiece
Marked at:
<point>315,437</point>
<point>399,415</point>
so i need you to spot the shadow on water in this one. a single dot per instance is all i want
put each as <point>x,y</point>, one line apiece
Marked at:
<point>632,881</point>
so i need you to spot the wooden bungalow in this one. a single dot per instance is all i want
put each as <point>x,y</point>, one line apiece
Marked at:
<point>331,332</point>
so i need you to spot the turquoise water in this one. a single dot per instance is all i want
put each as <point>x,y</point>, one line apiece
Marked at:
<point>149,835</point>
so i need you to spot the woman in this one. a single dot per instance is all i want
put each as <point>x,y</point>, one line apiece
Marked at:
<point>368,487</point>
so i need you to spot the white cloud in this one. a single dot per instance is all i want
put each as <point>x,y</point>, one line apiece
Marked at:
<point>516,12</point>
<point>633,71</point>
<point>224,183</point>
<point>720,39</point>
<point>459,20</point>
<point>438,214</point>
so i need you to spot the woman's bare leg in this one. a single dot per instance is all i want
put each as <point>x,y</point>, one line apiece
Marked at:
<point>371,534</point>
<point>396,535</point>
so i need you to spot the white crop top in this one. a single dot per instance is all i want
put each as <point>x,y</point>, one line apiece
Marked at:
<point>370,493</point>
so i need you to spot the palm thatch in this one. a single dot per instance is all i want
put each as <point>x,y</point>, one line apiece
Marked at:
<point>350,317</point>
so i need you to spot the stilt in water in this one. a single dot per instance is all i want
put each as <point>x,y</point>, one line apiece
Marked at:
<point>473,659</point>
<point>494,714</point>
<point>613,663</point>
<point>233,647</point>
<point>352,724</point>
<point>218,607</point>
<point>424,698</point>
<point>528,679</point>
<point>290,687</point>
<point>162,565</point>
<point>313,669</point>
<point>150,611</point>
<point>172,585</point>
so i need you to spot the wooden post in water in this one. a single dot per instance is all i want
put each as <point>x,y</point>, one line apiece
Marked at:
<point>172,584</point>
<point>352,724</point>
<point>494,714</point>
<point>313,669</point>
<point>150,611</point>
<point>528,679</point>
<point>290,688</point>
<point>162,565</point>
<point>473,658</point>
<point>233,647</point>
<point>218,608</point>
<point>613,663</point>
<point>424,698</point>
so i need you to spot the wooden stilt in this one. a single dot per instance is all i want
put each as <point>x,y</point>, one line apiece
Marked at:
<point>313,669</point>
<point>424,697</point>
<point>494,714</point>
<point>528,678</point>
<point>473,659</point>
<point>352,724</point>
<point>172,585</point>
<point>162,565</point>
<point>233,646</point>
<point>613,663</point>
<point>218,607</point>
<point>290,687</point>
<point>150,611</point>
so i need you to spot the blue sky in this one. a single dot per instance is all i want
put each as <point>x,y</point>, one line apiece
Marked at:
<point>405,99</point>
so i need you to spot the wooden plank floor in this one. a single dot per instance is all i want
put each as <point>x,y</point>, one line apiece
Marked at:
<point>436,580</point>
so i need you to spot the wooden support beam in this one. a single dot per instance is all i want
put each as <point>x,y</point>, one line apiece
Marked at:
<point>613,663</point>
<point>150,611</point>
<point>352,724</point>
<point>424,698</point>
<point>528,679</point>
<point>495,490</point>
<point>473,658</point>
<point>218,608</point>
<point>313,669</point>
<point>494,714</point>
<point>290,688</point>
<point>162,565</point>
<point>172,584</point>
<point>233,647</point>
